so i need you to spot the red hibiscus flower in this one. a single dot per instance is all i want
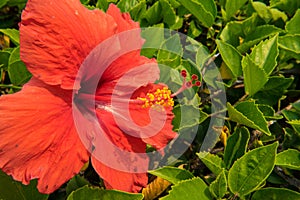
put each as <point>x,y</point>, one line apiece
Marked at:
<point>39,135</point>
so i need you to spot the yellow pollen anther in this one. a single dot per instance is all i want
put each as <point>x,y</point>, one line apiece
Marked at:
<point>160,97</point>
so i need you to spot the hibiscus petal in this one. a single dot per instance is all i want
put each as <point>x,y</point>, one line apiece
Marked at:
<point>38,136</point>
<point>56,36</point>
<point>125,23</point>
<point>123,20</point>
<point>128,72</point>
<point>115,179</point>
<point>121,160</point>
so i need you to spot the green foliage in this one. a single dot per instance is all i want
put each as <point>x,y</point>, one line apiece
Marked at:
<point>289,158</point>
<point>236,146</point>
<point>218,187</point>
<point>11,189</point>
<point>248,113</point>
<point>192,189</point>
<point>212,162</point>
<point>96,193</point>
<point>172,174</point>
<point>251,170</point>
<point>275,194</point>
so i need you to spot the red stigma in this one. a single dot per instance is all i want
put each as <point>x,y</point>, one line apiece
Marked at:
<point>187,84</point>
<point>198,83</point>
<point>183,73</point>
<point>194,77</point>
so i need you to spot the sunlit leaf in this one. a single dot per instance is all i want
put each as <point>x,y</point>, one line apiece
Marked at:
<point>292,26</point>
<point>275,194</point>
<point>191,189</point>
<point>218,187</point>
<point>236,145</point>
<point>205,11</point>
<point>291,44</point>
<point>232,6</point>
<point>214,163</point>
<point>248,113</point>
<point>13,34</point>
<point>254,77</point>
<point>262,10</point>
<point>289,158</point>
<point>259,33</point>
<point>172,174</point>
<point>251,170</point>
<point>265,54</point>
<point>97,193</point>
<point>231,57</point>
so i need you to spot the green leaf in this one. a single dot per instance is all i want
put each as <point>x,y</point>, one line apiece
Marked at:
<point>137,11</point>
<point>16,2</point>
<point>268,112</point>
<point>231,33</point>
<point>13,34</point>
<point>248,113</point>
<point>236,146</point>
<point>194,31</point>
<point>263,11</point>
<point>218,187</point>
<point>172,174</point>
<point>11,189</point>
<point>293,117</point>
<point>291,114</point>
<point>170,52</point>
<point>251,170</point>
<point>178,23</point>
<point>259,33</point>
<point>273,90</point>
<point>202,56</point>
<point>213,162</point>
<point>126,5</point>
<point>18,73</point>
<point>3,3</point>
<point>291,44</point>
<point>291,139</point>
<point>232,6</point>
<point>296,106</point>
<point>154,14</point>
<point>254,76</point>
<point>96,193</point>
<point>205,10</point>
<point>4,57</point>
<point>169,15</point>
<point>192,189</point>
<point>295,124</point>
<point>188,114</point>
<point>75,183</point>
<point>289,6</point>
<point>275,194</point>
<point>154,37</point>
<point>289,158</point>
<point>15,55</point>
<point>262,32</point>
<point>265,54</point>
<point>231,57</point>
<point>292,26</point>
<point>278,15</point>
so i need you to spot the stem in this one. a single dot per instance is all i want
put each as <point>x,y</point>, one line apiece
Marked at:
<point>292,181</point>
<point>10,86</point>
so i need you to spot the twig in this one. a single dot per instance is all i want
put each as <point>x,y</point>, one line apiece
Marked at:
<point>10,86</point>
<point>292,181</point>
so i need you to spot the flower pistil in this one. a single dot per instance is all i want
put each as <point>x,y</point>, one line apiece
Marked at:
<point>160,97</point>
